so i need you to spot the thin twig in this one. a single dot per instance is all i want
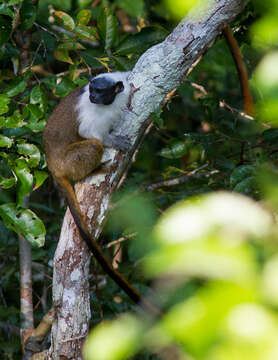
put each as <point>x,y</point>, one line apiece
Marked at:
<point>194,64</point>
<point>245,116</point>
<point>167,183</point>
<point>67,72</point>
<point>181,179</point>
<point>120,240</point>
<point>241,70</point>
<point>48,31</point>
<point>199,87</point>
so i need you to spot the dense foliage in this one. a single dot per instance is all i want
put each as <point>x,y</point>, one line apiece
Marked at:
<point>214,254</point>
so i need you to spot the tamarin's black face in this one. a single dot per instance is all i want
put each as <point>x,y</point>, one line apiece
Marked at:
<point>103,90</point>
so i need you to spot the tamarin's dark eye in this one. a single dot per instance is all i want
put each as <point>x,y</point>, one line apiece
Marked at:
<point>119,87</point>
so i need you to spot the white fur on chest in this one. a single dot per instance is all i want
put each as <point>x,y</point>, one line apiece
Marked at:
<point>95,120</point>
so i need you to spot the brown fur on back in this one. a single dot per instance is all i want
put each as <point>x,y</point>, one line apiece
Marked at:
<point>61,130</point>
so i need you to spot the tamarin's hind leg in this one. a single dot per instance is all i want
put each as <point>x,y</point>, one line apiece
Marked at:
<point>81,158</point>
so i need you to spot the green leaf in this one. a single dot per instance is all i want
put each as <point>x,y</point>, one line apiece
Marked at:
<point>156,117</point>
<point>31,153</point>
<point>35,96</point>
<point>38,96</point>
<point>16,87</point>
<point>84,3</point>
<point>34,111</point>
<point>13,2</point>
<point>27,15</point>
<point>83,17</point>
<point>36,126</point>
<point>107,24</point>
<point>5,29</point>
<point>84,32</point>
<point>24,222</point>
<point>122,63</point>
<point>63,88</point>
<point>40,177</point>
<point>141,41</point>
<point>133,8</point>
<point>7,183</point>
<point>176,150</point>
<point>4,101</point>
<point>5,10</point>
<point>240,173</point>
<point>5,141</point>
<point>13,121</point>
<point>63,55</point>
<point>25,180</point>
<point>8,51</point>
<point>4,155</point>
<point>71,45</point>
<point>65,20</point>
<point>246,186</point>
<point>270,136</point>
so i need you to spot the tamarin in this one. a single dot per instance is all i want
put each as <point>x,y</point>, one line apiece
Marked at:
<point>74,137</point>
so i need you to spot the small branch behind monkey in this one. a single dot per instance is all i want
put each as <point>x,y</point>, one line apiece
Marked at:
<point>182,179</point>
<point>120,240</point>
<point>192,175</point>
<point>241,70</point>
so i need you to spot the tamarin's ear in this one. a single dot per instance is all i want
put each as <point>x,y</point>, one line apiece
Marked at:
<point>119,87</point>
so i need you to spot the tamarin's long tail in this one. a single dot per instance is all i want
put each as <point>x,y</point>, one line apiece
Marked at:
<point>69,194</point>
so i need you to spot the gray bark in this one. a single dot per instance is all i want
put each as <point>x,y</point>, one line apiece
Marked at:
<point>158,71</point>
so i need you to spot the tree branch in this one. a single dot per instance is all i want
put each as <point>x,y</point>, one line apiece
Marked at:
<point>182,179</point>
<point>241,70</point>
